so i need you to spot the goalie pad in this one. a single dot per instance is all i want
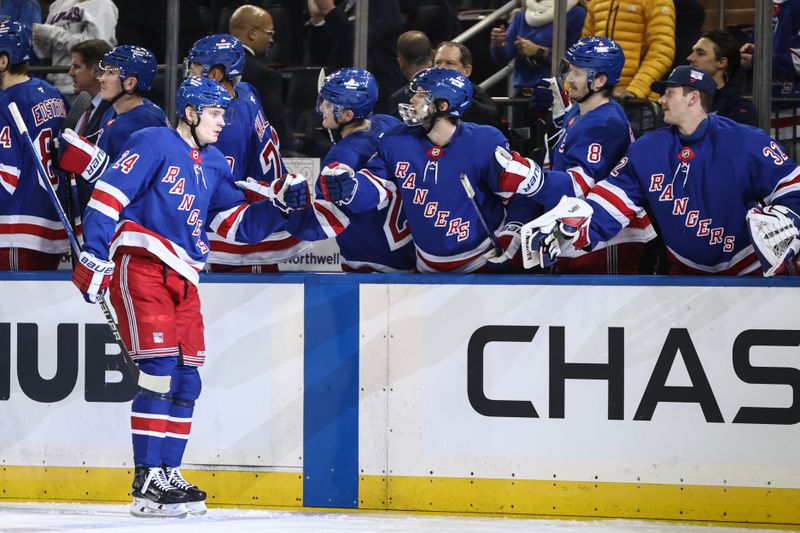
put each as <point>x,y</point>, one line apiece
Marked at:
<point>544,238</point>
<point>774,234</point>
<point>79,156</point>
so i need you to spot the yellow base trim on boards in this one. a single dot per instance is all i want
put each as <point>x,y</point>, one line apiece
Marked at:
<point>577,498</point>
<point>112,485</point>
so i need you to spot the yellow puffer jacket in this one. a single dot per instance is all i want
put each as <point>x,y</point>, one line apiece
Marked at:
<point>645,29</point>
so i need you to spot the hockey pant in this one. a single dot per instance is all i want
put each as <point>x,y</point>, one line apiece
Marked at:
<point>160,423</point>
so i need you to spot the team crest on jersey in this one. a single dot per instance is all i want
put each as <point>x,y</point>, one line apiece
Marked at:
<point>158,337</point>
<point>435,152</point>
<point>686,154</point>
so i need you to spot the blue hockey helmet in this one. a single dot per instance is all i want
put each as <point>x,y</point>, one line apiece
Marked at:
<point>598,55</point>
<point>200,93</point>
<point>350,88</point>
<point>440,84</point>
<point>220,49</point>
<point>15,40</point>
<point>132,61</point>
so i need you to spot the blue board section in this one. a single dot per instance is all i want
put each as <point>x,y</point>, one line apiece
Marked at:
<point>330,409</point>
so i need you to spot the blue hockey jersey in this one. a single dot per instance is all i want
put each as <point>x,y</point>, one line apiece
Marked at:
<point>161,195</point>
<point>588,150</point>
<point>786,40</point>
<point>27,218</point>
<point>698,190</point>
<point>444,225</point>
<point>377,239</point>
<point>252,149</point>
<point>115,130</point>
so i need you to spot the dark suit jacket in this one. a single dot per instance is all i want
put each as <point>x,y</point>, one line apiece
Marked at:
<point>268,84</point>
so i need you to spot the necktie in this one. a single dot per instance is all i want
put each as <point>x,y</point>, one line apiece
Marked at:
<point>85,119</point>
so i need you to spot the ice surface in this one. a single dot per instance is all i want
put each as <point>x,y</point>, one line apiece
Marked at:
<point>57,517</point>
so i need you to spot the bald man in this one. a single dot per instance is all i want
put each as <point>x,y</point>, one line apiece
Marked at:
<point>253,26</point>
<point>414,53</point>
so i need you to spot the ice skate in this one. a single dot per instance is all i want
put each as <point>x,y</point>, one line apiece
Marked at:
<point>196,502</point>
<point>154,497</point>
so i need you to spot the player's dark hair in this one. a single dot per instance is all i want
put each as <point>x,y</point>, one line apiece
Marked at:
<point>20,69</point>
<point>465,54</point>
<point>726,45</point>
<point>706,100</point>
<point>415,48</point>
<point>91,51</point>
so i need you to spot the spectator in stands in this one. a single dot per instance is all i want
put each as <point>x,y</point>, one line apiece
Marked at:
<point>528,41</point>
<point>330,41</point>
<point>645,29</point>
<point>717,52</point>
<point>84,71</point>
<point>414,53</point>
<point>456,56</point>
<point>68,23</point>
<point>253,26</point>
<point>785,43</point>
<point>26,12</point>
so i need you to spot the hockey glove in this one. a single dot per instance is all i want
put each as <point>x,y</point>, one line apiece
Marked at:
<point>561,103</point>
<point>337,183</point>
<point>290,193</point>
<point>509,238</point>
<point>774,233</point>
<point>544,238</point>
<point>92,276</point>
<point>254,190</point>
<point>542,97</point>
<point>520,175</point>
<point>77,155</point>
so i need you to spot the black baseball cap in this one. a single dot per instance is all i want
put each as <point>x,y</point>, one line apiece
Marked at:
<point>687,76</point>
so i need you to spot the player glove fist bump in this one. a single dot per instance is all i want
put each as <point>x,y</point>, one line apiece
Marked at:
<point>77,155</point>
<point>337,183</point>
<point>288,193</point>
<point>92,276</point>
<point>519,175</point>
<point>544,238</point>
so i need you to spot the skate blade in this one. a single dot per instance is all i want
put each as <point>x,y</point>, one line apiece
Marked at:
<point>196,508</point>
<point>144,508</point>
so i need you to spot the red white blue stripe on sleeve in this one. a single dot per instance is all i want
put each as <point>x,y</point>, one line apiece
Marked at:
<point>383,187</point>
<point>9,177</point>
<point>616,202</point>
<point>789,184</point>
<point>108,200</point>
<point>226,223</point>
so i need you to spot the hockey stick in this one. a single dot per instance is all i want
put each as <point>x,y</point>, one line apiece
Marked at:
<point>471,195</point>
<point>79,107</point>
<point>159,384</point>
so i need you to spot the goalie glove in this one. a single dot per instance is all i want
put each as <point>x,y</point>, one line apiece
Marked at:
<point>79,156</point>
<point>544,238</point>
<point>774,233</point>
<point>337,183</point>
<point>92,276</point>
<point>520,175</point>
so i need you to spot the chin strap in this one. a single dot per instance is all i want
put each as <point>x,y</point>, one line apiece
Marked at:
<point>192,128</point>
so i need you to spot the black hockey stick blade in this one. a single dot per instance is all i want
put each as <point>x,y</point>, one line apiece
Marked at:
<point>79,107</point>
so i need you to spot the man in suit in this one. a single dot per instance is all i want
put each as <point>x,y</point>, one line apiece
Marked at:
<point>414,53</point>
<point>456,56</point>
<point>85,57</point>
<point>253,26</point>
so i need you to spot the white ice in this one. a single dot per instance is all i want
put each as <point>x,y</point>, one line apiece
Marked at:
<point>59,517</point>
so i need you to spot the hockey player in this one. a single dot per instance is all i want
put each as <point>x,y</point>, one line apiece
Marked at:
<point>595,136</point>
<point>424,162</point>
<point>145,234</point>
<point>252,149</point>
<point>724,195</point>
<point>375,240</point>
<point>126,72</point>
<point>31,236</point>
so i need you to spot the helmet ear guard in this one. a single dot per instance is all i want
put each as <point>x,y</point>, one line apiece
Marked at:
<point>15,40</point>
<point>220,49</point>
<point>350,88</point>
<point>131,61</point>
<point>440,84</point>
